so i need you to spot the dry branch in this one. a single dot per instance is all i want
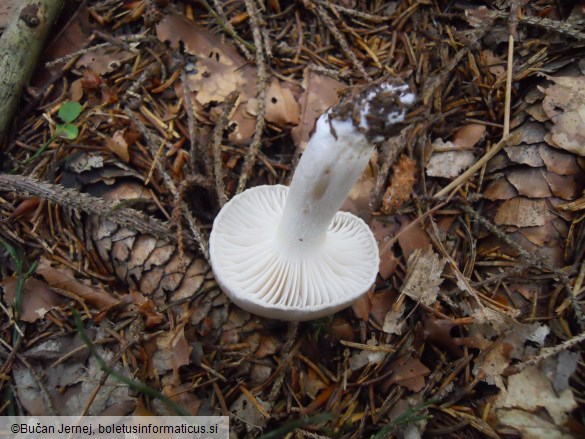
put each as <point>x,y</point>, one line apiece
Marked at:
<point>20,47</point>
<point>70,198</point>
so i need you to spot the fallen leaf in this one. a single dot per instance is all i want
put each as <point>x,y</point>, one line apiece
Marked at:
<point>448,164</point>
<point>117,144</point>
<point>411,237</point>
<point>312,383</point>
<point>267,346</point>
<point>281,106</point>
<point>243,409</point>
<point>37,299</point>
<point>26,207</point>
<point>104,59</point>
<point>530,390</point>
<point>394,321</point>
<point>408,372</point>
<point>531,425</point>
<point>320,93</point>
<point>469,135</point>
<point>63,279</point>
<point>559,368</point>
<point>362,306</point>
<point>382,302</point>
<point>423,276</point>
<point>173,350</point>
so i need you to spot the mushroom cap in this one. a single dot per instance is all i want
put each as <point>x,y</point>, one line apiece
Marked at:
<point>261,276</point>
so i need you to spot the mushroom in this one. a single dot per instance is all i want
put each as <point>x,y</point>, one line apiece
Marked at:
<point>287,253</point>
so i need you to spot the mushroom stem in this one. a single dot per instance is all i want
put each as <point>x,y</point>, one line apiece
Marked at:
<point>335,158</point>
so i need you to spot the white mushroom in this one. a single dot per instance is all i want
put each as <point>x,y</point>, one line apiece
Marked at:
<point>288,253</point>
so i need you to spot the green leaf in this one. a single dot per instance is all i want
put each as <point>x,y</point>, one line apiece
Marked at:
<point>67,131</point>
<point>69,111</point>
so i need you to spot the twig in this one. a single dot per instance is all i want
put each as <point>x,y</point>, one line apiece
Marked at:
<point>341,40</point>
<point>200,158</point>
<point>152,140</point>
<point>70,198</point>
<point>20,47</point>
<point>261,97</point>
<point>105,375</point>
<point>502,143</point>
<point>354,13</point>
<point>291,336</point>
<point>229,104</point>
<point>535,260</point>
<point>220,17</point>
<point>135,385</point>
<point>511,370</point>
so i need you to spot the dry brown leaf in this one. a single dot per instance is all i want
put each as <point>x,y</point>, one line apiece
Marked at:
<point>401,184</point>
<point>281,106</point>
<point>521,212</point>
<point>74,36</point>
<point>469,135</point>
<point>147,308</point>
<point>117,144</point>
<point>423,276</point>
<point>495,64</point>
<point>530,390</point>
<point>530,425</point>
<point>394,321</point>
<point>312,383</point>
<point>341,329</point>
<point>411,238</point>
<point>36,298</point>
<point>382,302</point>
<point>320,93</point>
<point>448,164</point>
<point>183,395</point>
<point>388,262</point>
<point>63,279</point>
<point>358,198</point>
<point>219,70</point>
<point>173,350</point>
<point>26,207</point>
<point>362,306</point>
<point>408,372</point>
<point>104,59</point>
<point>267,346</point>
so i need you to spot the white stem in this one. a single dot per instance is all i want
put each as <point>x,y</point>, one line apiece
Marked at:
<point>335,158</point>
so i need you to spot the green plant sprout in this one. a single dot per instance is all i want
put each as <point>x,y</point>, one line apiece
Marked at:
<point>68,112</point>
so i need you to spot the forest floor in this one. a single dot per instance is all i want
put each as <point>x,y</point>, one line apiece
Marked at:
<point>144,117</point>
